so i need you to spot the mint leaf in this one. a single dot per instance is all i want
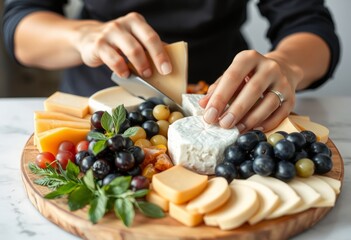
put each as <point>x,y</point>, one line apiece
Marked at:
<point>99,146</point>
<point>118,117</point>
<point>98,207</point>
<point>79,198</point>
<point>72,171</point>
<point>62,190</point>
<point>107,122</point>
<point>88,179</point>
<point>140,193</point>
<point>97,136</point>
<point>150,209</point>
<point>124,210</point>
<point>119,185</point>
<point>130,132</point>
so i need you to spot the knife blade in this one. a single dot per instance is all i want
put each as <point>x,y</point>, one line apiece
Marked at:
<point>138,87</point>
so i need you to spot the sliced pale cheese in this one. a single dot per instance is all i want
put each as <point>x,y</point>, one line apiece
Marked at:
<point>175,83</point>
<point>268,199</point>
<point>321,131</point>
<point>67,103</point>
<point>154,198</point>
<point>109,98</point>
<point>308,195</point>
<point>59,116</point>
<point>303,117</point>
<point>286,125</point>
<point>41,125</point>
<point>288,197</point>
<point>50,140</point>
<point>180,213</point>
<point>178,184</point>
<point>333,183</point>
<point>328,195</point>
<point>215,195</point>
<point>197,145</point>
<point>241,206</point>
<point>190,104</point>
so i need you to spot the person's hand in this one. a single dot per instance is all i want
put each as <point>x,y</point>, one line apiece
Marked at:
<point>247,87</point>
<point>127,37</point>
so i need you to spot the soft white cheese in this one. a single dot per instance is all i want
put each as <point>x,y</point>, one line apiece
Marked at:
<point>190,104</point>
<point>197,145</point>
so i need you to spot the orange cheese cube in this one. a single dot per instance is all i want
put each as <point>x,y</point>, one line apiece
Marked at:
<point>67,103</point>
<point>184,216</point>
<point>41,125</point>
<point>154,198</point>
<point>178,184</point>
<point>59,116</point>
<point>50,140</point>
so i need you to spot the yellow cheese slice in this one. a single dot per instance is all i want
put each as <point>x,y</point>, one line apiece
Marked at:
<point>67,103</point>
<point>215,195</point>
<point>321,131</point>
<point>267,198</point>
<point>328,195</point>
<point>41,125</point>
<point>50,140</point>
<point>59,116</point>
<point>109,98</point>
<point>308,195</point>
<point>286,125</point>
<point>241,206</point>
<point>288,197</point>
<point>154,198</point>
<point>184,216</point>
<point>303,117</point>
<point>175,83</point>
<point>178,184</point>
<point>333,183</point>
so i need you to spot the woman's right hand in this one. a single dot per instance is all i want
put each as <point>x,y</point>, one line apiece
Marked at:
<point>124,39</point>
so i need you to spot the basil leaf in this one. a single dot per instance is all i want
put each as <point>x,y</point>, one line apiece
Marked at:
<point>107,122</point>
<point>118,116</point>
<point>98,207</point>
<point>99,146</point>
<point>88,179</point>
<point>150,209</point>
<point>120,184</point>
<point>130,132</point>
<point>62,190</point>
<point>79,198</point>
<point>97,136</point>
<point>140,193</point>
<point>72,171</point>
<point>124,210</point>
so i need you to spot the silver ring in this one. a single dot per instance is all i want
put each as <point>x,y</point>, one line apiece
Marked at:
<point>279,95</point>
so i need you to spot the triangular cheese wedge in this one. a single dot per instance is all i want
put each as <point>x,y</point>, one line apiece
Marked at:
<point>321,131</point>
<point>175,83</point>
<point>286,125</point>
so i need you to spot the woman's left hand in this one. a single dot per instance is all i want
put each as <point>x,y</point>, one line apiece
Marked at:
<point>255,92</point>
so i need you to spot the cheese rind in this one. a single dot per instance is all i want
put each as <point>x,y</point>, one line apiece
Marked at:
<point>215,195</point>
<point>67,103</point>
<point>41,125</point>
<point>178,184</point>
<point>181,214</point>
<point>190,104</point>
<point>197,145</point>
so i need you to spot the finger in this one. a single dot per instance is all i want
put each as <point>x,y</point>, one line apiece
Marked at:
<point>204,100</point>
<point>274,119</point>
<point>114,60</point>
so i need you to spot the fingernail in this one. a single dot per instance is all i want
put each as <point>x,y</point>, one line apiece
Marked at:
<point>166,68</point>
<point>147,73</point>
<point>227,120</point>
<point>240,127</point>
<point>125,74</point>
<point>211,115</point>
<point>259,128</point>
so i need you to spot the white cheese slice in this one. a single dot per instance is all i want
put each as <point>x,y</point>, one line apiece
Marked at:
<point>197,145</point>
<point>308,195</point>
<point>334,183</point>
<point>288,197</point>
<point>109,98</point>
<point>268,199</point>
<point>190,104</point>
<point>242,204</point>
<point>215,195</point>
<point>328,195</point>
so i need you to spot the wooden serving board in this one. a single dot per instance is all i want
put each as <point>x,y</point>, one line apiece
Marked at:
<point>165,228</point>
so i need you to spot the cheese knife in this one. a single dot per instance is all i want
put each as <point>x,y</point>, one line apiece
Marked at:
<point>138,87</point>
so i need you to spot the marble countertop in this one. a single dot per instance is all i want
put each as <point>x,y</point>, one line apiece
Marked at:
<point>19,219</point>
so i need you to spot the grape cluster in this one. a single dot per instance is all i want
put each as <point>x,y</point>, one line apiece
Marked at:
<point>282,155</point>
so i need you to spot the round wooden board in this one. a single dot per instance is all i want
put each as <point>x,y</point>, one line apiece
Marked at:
<point>166,228</point>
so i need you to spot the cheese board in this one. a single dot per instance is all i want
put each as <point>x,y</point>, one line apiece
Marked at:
<point>109,227</point>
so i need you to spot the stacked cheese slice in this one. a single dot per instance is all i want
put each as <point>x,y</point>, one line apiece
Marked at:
<point>192,199</point>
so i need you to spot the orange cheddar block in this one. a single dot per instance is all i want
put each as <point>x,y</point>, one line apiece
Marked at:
<point>50,140</point>
<point>42,125</point>
<point>154,198</point>
<point>67,103</point>
<point>181,214</point>
<point>178,184</point>
<point>59,116</point>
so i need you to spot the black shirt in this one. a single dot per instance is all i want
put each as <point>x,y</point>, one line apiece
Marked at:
<point>211,28</point>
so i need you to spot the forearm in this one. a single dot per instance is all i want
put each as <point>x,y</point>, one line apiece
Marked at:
<point>48,40</point>
<point>306,55</point>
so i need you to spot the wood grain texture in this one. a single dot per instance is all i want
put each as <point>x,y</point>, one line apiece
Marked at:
<point>166,228</point>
